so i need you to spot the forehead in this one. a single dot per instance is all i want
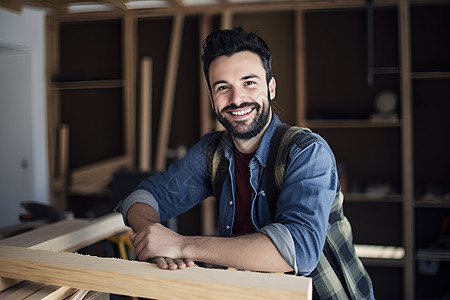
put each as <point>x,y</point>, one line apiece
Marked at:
<point>237,64</point>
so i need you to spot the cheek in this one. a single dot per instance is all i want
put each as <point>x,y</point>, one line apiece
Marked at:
<point>219,102</point>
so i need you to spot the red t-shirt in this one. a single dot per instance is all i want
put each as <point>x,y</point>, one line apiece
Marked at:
<point>242,219</point>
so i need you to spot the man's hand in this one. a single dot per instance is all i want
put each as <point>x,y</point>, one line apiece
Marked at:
<point>160,245</point>
<point>172,264</point>
<point>150,236</point>
<point>156,240</point>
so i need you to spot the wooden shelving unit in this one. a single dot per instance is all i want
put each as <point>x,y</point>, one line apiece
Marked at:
<point>320,53</point>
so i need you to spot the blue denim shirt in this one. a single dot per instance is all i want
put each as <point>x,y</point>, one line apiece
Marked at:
<point>301,220</point>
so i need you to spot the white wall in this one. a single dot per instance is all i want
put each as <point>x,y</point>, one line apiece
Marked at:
<point>25,32</point>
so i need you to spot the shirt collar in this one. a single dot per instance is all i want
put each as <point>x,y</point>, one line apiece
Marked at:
<point>263,150</point>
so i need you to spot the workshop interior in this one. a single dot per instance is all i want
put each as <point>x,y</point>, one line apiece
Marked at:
<point>97,96</point>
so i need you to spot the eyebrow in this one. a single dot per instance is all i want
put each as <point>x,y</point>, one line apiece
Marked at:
<point>243,78</point>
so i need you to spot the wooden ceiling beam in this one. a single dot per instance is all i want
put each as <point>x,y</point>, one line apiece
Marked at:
<point>177,2</point>
<point>11,5</point>
<point>117,4</point>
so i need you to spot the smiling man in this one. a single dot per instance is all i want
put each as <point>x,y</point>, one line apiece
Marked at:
<point>307,234</point>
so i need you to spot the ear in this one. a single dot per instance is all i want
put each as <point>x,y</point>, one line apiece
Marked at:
<point>272,88</point>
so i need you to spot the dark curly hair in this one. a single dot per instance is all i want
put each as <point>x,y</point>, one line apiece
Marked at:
<point>230,41</point>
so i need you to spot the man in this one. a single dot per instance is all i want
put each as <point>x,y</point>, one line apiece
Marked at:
<point>309,234</point>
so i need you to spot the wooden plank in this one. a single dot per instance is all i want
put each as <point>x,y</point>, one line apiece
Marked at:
<point>169,92</point>
<point>95,177</point>
<point>145,140</point>
<point>208,205</point>
<point>93,295</point>
<point>142,279</point>
<point>69,234</point>
<point>12,5</point>
<point>129,58</point>
<point>78,295</point>
<point>65,235</point>
<point>206,124</point>
<point>407,147</point>
<point>21,290</point>
<point>63,158</point>
<point>300,68</point>
<point>49,292</point>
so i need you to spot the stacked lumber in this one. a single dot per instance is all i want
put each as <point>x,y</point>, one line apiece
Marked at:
<point>66,235</point>
<point>44,273</point>
<point>38,291</point>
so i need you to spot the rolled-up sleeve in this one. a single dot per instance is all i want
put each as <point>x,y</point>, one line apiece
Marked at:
<point>179,188</point>
<point>138,196</point>
<point>304,204</point>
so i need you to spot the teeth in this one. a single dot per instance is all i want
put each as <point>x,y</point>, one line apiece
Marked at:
<point>241,112</point>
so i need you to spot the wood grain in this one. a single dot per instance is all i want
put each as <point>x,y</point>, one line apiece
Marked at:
<point>146,280</point>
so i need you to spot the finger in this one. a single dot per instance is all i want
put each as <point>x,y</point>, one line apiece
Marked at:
<point>171,263</point>
<point>189,262</point>
<point>132,237</point>
<point>180,263</point>
<point>137,238</point>
<point>160,262</point>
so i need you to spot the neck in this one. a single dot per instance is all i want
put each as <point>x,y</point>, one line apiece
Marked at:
<point>250,145</point>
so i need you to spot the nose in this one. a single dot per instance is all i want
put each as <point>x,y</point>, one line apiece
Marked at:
<point>237,95</point>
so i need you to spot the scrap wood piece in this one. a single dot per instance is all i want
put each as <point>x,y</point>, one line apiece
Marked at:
<point>65,235</point>
<point>169,92</point>
<point>21,290</point>
<point>146,280</point>
<point>93,295</point>
<point>49,292</point>
<point>69,234</point>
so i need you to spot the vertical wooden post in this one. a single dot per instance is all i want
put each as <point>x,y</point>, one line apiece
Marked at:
<point>61,184</point>
<point>145,141</point>
<point>208,205</point>
<point>129,82</point>
<point>205,106</point>
<point>52,56</point>
<point>407,155</point>
<point>169,92</point>
<point>300,68</point>
<point>226,21</point>
<point>64,143</point>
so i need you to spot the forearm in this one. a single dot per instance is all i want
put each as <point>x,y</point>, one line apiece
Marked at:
<point>254,252</point>
<point>140,216</point>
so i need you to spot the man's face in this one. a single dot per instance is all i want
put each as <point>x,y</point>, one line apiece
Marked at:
<point>240,94</point>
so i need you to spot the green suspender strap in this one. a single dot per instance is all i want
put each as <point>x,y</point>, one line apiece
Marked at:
<point>276,165</point>
<point>218,164</point>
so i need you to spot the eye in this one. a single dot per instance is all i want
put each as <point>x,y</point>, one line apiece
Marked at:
<point>247,83</point>
<point>221,88</point>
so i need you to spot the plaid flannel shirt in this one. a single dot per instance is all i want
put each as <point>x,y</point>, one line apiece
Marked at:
<point>339,273</point>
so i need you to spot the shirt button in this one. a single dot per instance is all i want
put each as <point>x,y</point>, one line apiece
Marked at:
<point>231,202</point>
<point>228,226</point>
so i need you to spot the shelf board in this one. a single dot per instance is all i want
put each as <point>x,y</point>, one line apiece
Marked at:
<point>435,203</point>
<point>433,254</point>
<point>382,262</point>
<point>353,123</point>
<point>379,255</point>
<point>88,84</point>
<point>363,197</point>
<point>431,75</point>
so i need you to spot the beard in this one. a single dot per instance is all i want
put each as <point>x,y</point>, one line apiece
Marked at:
<point>239,129</point>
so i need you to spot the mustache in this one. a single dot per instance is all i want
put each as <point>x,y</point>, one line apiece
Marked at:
<point>242,105</point>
